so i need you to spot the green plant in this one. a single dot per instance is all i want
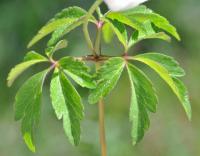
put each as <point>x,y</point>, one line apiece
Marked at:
<point>66,101</point>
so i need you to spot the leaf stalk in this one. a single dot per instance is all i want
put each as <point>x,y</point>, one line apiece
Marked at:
<point>85,25</point>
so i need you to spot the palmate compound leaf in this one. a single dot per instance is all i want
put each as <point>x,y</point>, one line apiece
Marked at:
<point>67,20</point>
<point>30,59</point>
<point>27,106</point>
<point>142,14</point>
<point>113,26</point>
<point>78,71</point>
<point>107,77</point>
<point>67,105</point>
<point>118,28</point>
<point>168,70</point>
<point>151,33</point>
<point>143,99</point>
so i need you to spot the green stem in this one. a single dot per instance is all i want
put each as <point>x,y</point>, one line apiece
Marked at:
<point>102,128</point>
<point>85,25</point>
<point>99,25</point>
<point>96,50</point>
<point>102,134</point>
<point>97,46</point>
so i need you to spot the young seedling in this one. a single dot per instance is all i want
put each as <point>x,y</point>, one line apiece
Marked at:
<point>66,101</point>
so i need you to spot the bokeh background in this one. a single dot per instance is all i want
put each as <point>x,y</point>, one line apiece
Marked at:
<point>170,133</point>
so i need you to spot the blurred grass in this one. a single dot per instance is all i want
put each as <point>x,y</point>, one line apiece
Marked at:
<point>170,133</point>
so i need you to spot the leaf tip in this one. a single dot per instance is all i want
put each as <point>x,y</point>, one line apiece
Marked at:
<point>189,115</point>
<point>76,143</point>
<point>9,83</point>
<point>28,140</point>
<point>134,142</point>
<point>30,44</point>
<point>9,80</point>
<point>178,37</point>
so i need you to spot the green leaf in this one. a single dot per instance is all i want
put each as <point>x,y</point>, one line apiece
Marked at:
<point>66,17</point>
<point>184,98</point>
<point>60,45</point>
<point>150,34</point>
<point>30,59</point>
<point>107,77</point>
<point>167,62</point>
<point>67,105</point>
<point>119,29</point>
<point>163,69</point>
<point>107,33</point>
<point>142,14</point>
<point>144,88</point>
<point>32,55</point>
<point>127,21</point>
<point>27,106</point>
<point>143,98</point>
<point>78,71</point>
<point>63,30</point>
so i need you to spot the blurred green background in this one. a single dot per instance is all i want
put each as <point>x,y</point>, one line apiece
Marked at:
<point>170,133</point>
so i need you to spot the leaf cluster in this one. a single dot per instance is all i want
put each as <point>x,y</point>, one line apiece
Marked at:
<point>66,100</point>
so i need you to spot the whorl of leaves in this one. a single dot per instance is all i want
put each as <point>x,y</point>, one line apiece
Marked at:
<point>66,100</point>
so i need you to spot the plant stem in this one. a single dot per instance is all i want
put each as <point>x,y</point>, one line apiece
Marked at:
<point>96,51</point>
<point>102,135</point>
<point>97,46</point>
<point>102,128</point>
<point>85,25</point>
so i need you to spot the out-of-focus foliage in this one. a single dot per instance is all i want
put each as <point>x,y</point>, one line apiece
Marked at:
<point>170,133</point>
